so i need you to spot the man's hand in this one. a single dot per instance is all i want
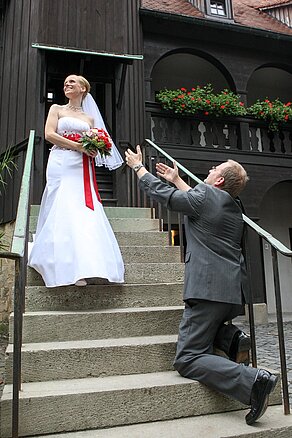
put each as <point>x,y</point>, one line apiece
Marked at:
<point>168,173</point>
<point>133,159</point>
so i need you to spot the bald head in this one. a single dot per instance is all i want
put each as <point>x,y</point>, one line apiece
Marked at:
<point>229,176</point>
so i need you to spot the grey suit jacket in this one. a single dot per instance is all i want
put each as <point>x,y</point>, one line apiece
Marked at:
<point>214,265</point>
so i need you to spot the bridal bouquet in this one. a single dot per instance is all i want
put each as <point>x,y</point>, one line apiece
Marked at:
<point>94,139</point>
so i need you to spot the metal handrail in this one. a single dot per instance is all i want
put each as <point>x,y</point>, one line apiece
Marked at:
<point>18,253</point>
<point>277,246</point>
<point>263,233</point>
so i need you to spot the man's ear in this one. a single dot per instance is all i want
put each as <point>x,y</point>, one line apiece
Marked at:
<point>219,183</point>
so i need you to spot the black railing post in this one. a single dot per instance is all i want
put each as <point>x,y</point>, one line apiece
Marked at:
<point>251,300</point>
<point>17,337</point>
<point>181,237</point>
<point>280,332</point>
<point>252,334</point>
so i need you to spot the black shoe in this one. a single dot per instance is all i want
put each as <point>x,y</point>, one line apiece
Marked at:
<point>263,386</point>
<point>239,350</point>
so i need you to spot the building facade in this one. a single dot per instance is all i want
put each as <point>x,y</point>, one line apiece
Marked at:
<point>129,50</point>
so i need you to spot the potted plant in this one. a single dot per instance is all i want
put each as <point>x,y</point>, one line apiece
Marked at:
<point>201,99</point>
<point>275,113</point>
<point>226,103</point>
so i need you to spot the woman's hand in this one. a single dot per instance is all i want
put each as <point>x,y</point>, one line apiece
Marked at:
<point>79,147</point>
<point>91,154</point>
<point>168,173</point>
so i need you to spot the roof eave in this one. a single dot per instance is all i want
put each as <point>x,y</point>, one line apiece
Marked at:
<point>240,28</point>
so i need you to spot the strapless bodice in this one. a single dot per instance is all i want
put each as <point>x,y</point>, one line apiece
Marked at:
<point>71,124</point>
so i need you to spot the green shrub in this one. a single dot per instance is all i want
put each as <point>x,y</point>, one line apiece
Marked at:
<point>226,103</point>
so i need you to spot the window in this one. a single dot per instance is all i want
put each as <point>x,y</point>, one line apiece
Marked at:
<point>219,9</point>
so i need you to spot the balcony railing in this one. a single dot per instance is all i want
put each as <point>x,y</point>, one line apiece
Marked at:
<point>209,132</point>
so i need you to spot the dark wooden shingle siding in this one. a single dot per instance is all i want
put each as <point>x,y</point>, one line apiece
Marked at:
<point>99,25</point>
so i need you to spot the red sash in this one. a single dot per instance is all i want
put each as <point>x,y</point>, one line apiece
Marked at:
<point>87,161</point>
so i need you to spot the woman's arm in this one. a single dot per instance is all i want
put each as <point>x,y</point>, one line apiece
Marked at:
<point>51,132</point>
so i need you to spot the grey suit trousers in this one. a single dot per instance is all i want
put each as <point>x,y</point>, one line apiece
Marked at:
<point>195,359</point>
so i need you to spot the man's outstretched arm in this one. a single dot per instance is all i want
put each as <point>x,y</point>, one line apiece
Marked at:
<point>168,173</point>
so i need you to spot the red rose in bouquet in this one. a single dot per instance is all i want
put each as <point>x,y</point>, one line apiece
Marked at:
<point>72,136</point>
<point>94,139</point>
<point>97,140</point>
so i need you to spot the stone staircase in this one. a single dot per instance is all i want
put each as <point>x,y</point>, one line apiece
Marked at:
<point>97,361</point>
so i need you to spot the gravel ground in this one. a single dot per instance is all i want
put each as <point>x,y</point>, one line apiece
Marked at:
<point>3,345</point>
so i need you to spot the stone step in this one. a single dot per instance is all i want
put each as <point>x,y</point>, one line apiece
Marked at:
<point>118,224</point>
<point>113,212</point>
<point>155,254</point>
<point>136,238</point>
<point>101,297</point>
<point>134,273</point>
<point>224,425</point>
<point>93,403</point>
<point>93,358</point>
<point>101,324</point>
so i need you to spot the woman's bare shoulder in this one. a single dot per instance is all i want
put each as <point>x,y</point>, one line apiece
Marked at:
<point>55,108</point>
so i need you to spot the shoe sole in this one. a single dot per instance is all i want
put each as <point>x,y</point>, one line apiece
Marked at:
<point>268,390</point>
<point>242,355</point>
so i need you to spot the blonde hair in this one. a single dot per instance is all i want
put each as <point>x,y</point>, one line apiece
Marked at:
<point>235,178</point>
<point>85,84</point>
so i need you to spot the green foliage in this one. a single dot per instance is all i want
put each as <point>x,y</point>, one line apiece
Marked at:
<point>6,163</point>
<point>201,99</point>
<point>3,245</point>
<point>226,103</point>
<point>274,112</point>
<point>4,329</point>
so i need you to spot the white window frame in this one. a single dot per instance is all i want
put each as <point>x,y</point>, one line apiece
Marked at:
<point>227,6</point>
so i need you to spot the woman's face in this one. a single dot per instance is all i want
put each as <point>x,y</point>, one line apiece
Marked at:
<point>72,87</point>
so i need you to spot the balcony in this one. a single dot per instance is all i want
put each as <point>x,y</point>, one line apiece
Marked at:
<point>233,134</point>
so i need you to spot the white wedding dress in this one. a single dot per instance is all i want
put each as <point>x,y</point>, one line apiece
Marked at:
<point>72,241</point>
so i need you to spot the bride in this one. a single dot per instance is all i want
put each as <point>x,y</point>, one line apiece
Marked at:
<point>74,239</point>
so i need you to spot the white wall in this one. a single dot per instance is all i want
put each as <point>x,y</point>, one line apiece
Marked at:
<point>186,70</point>
<point>276,217</point>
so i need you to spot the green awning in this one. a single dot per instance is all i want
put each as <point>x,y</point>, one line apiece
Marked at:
<point>120,56</point>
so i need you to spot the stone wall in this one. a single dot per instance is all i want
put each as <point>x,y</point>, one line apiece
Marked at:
<point>6,275</point>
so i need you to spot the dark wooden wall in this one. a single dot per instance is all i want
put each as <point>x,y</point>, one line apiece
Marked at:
<point>90,24</point>
<point>19,85</point>
<point>100,25</point>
